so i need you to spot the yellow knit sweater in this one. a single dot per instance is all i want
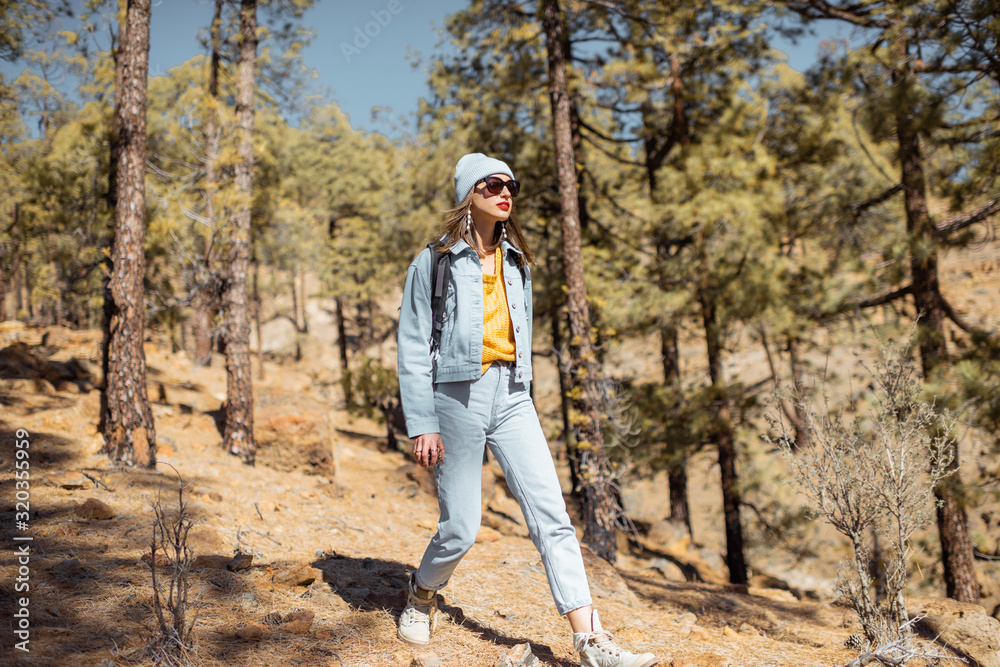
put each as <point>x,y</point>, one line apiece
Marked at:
<point>498,339</point>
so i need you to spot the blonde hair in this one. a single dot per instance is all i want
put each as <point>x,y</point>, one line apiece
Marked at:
<point>455,229</point>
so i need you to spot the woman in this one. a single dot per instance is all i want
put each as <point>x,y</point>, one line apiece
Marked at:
<point>471,391</point>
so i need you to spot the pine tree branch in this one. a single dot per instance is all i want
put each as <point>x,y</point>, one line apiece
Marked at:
<point>611,155</point>
<point>817,9</point>
<point>858,209</point>
<point>971,138</point>
<point>618,109</point>
<point>616,8</point>
<point>921,67</point>
<point>967,219</point>
<point>953,315</point>
<point>884,298</point>
<point>619,140</point>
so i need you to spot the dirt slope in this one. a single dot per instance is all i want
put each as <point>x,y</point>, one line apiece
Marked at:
<point>324,495</point>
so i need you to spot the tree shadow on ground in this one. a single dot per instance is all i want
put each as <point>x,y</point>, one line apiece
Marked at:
<point>376,584</point>
<point>45,449</point>
<point>701,599</point>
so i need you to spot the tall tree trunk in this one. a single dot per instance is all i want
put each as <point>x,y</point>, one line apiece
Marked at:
<point>565,404</point>
<point>598,494</point>
<point>15,253</point>
<point>953,526</point>
<point>238,435</point>
<point>802,437</point>
<point>303,317</point>
<point>677,478</point>
<point>129,432</point>
<point>206,298</point>
<point>725,442</point>
<point>115,149</point>
<point>117,54</point>
<point>295,316</point>
<point>345,369</point>
<point>656,148</point>
<point>256,317</point>
<point>57,313</point>
<point>29,289</point>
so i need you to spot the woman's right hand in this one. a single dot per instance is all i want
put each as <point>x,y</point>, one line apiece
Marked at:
<point>428,449</point>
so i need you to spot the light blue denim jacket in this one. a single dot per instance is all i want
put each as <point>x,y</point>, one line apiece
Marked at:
<point>461,355</point>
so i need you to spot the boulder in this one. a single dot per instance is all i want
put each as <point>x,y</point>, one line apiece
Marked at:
<point>605,582</point>
<point>964,628</point>
<point>95,510</point>
<point>240,562</point>
<point>298,622</point>
<point>666,534</point>
<point>422,477</point>
<point>487,534</point>
<point>297,575</point>
<point>210,562</point>
<point>250,631</point>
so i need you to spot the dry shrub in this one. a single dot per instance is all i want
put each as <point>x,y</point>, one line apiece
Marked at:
<point>870,472</point>
<point>175,643</point>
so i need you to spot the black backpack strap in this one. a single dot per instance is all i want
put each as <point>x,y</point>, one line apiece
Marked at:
<point>440,277</point>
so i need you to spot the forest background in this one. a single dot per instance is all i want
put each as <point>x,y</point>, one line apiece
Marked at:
<point>687,195</point>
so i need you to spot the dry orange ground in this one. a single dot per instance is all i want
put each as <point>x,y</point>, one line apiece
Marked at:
<point>325,493</point>
<point>361,516</point>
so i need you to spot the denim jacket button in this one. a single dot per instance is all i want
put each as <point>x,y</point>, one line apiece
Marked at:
<point>517,329</point>
<point>513,305</point>
<point>509,281</point>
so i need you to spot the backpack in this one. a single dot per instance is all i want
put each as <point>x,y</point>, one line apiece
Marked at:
<point>440,277</point>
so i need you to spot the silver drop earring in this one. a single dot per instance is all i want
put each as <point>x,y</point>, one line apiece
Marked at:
<point>503,233</point>
<point>468,222</point>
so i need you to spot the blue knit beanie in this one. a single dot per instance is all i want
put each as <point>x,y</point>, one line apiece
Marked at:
<point>474,167</point>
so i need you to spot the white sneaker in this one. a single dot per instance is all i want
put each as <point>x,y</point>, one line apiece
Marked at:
<point>598,649</point>
<point>418,620</point>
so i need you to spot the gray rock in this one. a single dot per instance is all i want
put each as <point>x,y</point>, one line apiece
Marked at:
<point>518,656</point>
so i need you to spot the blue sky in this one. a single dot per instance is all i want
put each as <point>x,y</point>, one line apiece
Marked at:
<point>377,75</point>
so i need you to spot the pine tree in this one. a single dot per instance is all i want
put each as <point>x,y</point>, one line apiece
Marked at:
<point>129,432</point>
<point>238,437</point>
<point>922,67</point>
<point>206,297</point>
<point>589,383</point>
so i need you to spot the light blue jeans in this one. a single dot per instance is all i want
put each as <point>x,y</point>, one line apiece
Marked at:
<point>498,412</point>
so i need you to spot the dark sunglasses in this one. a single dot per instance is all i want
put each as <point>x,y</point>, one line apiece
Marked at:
<point>496,185</point>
